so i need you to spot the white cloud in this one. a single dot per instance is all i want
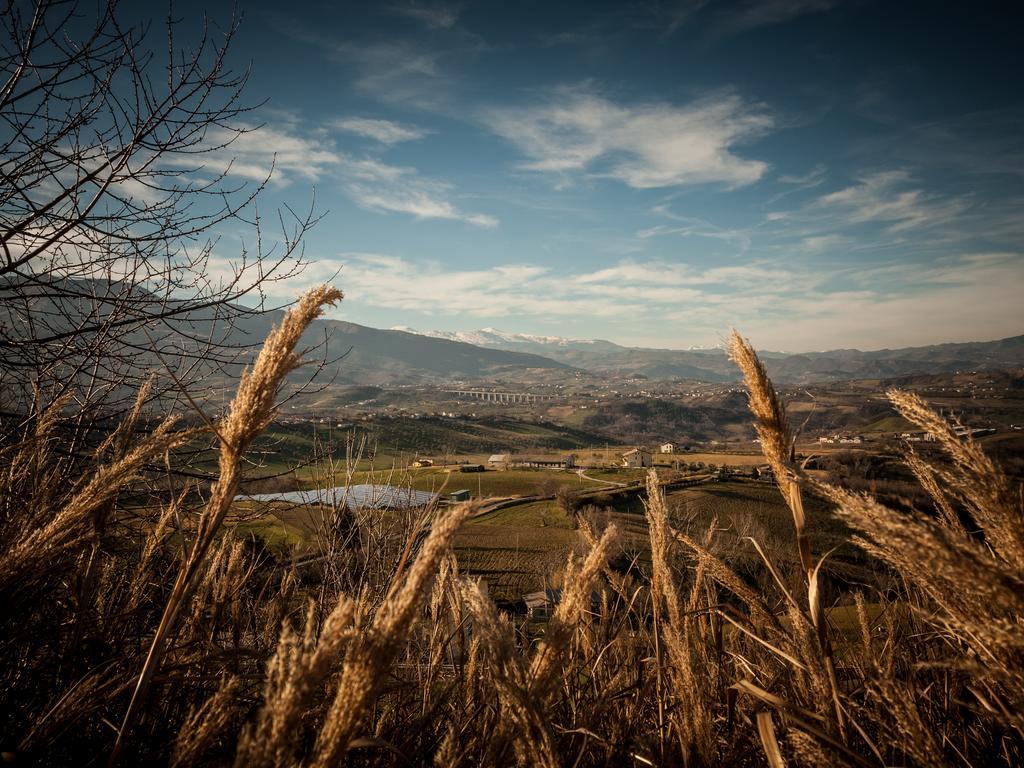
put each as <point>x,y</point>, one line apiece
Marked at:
<point>644,145</point>
<point>417,197</point>
<point>734,279</point>
<point>628,289</point>
<point>887,211</point>
<point>784,307</point>
<point>367,181</point>
<point>970,298</point>
<point>377,186</point>
<point>384,131</point>
<point>512,289</point>
<point>888,197</point>
<point>433,15</point>
<point>762,13</point>
<point>820,243</point>
<point>396,71</point>
<point>690,226</point>
<point>258,150</point>
<point>812,178</point>
<point>369,169</point>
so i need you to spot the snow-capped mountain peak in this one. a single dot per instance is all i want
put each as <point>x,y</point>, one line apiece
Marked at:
<point>492,337</point>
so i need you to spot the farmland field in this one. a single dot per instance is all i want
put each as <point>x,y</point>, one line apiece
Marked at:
<point>740,510</point>
<point>611,456</point>
<point>752,459</point>
<point>513,559</point>
<point>503,546</point>
<point>491,483</point>
<point>522,547</point>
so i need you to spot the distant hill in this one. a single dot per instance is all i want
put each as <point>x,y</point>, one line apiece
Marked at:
<point>358,354</point>
<point>605,357</point>
<point>380,353</point>
<point>352,353</point>
<point>884,363</point>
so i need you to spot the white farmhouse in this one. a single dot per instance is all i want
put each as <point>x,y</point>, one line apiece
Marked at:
<point>637,458</point>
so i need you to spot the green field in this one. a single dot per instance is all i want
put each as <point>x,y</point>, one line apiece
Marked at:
<point>522,547</point>
<point>535,514</point>
<point>513,559</point>
<point>491,483</point>
<point>889,424</point>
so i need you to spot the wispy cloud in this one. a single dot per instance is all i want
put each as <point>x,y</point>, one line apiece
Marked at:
<point>378,186</point>
<point>257,151</point>
<point>692,226</point>
<point>881,211</point>
<point>821,243</point>
<point>892,198</point>
<point>990,142</point>
<point>421,198</point>
<point>384,281</point>
<point>794,184</point>
<point>394,70</point>
<point>391,70</point>
<point>368,181</point>
<point>763,13</point>
<point>740,240</point>
<point>905,306</point>
<point>384,131</point>
<point>432,15</point>
<point>628,289</point>
<point>733,278</point>
<point>790,307</point>
<point>812,178</point>
<point>642,145</point>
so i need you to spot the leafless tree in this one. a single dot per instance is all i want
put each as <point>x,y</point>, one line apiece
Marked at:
<point>111,202</point>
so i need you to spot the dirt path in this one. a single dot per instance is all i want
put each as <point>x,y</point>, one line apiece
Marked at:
<point>582,473</point>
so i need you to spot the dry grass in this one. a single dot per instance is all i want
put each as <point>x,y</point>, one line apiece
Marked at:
<point>250,413</point>
<point>380,652</point>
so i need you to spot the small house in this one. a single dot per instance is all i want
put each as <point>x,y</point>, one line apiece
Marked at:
<point>460,495</point>
<point>668,447</point>
<point>540,605</point>
<point>499,460</point>
<point>637,458</point>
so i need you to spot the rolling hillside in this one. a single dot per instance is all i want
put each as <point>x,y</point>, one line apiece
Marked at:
<point>605,357</point>
<point>357,354</point>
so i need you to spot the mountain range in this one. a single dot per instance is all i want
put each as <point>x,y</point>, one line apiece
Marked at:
<point>357,354</point>
<point>712,364</point>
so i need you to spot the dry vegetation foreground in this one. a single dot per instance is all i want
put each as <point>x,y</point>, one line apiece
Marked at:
<point>733,623</point>
<point>148,619</point>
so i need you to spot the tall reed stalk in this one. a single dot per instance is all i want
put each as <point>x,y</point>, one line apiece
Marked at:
<point>250,413</point>
<point>779,448</point>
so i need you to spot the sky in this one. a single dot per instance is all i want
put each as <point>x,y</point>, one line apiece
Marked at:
<point>818,174</point>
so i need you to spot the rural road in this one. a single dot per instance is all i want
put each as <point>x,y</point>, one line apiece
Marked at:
<point>582,473</point>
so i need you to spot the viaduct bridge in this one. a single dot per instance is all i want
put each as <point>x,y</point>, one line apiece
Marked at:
<point>500,397</point>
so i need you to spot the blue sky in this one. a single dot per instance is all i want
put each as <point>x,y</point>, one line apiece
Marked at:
<point>818,174</point>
